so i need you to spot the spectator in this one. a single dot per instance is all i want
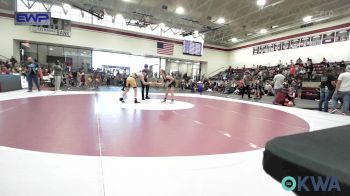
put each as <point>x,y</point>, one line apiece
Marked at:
<point>292,71</point>
<point>268,89</point>
<point>58,75</point>
<point>342,90</point>
<point>310,70</point>
<point>32,71</point>
<point>342,64</point>
<point>328,82</point>
<point>299,61</point>
<point>13,61</point>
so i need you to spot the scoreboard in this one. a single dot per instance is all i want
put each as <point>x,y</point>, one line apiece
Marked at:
<point>192,48</point>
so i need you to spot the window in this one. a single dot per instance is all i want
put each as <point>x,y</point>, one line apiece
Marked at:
<point>47,55</point>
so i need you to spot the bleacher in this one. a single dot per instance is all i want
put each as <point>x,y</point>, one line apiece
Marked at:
<point>310,91</point>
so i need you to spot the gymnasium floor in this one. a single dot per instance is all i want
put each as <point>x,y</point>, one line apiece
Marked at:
<point>87,143</point>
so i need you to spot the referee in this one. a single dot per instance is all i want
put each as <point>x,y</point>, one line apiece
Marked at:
<point>145,70</point>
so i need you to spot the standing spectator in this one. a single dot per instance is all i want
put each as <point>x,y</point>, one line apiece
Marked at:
<point>32,71</point>
<point>108,78</point>
<point>82,79</point>
<point>299,61</point>
<point>57,75</point>
<point>278,82</point>
<point>291,63</point>
<point>328,82</point>
<point>13,61</point>
<point>146,85</point>
<point>342,64</point>
<point>310,70</point>
<point>342,90</point>
<point>324,62</point>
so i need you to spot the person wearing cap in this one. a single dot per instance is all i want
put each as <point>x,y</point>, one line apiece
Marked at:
<point>146,71</point>
<point>342,90</point>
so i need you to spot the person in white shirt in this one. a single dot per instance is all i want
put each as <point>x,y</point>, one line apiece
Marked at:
<point>278,81</point>
<point>342,90</point>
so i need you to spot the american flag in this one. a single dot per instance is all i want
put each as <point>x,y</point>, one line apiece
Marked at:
<point>165,48</point>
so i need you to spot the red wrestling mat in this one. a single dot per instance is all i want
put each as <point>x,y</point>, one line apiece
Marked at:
<point>96,125</point>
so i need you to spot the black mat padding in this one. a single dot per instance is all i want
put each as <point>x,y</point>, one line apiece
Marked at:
<point>320,153</point>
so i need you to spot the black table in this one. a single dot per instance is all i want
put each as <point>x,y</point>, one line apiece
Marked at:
<point>324,153</point>
<point>10,83</point>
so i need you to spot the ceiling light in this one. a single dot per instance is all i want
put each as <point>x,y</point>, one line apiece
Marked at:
<point>119,18</point>
<point>161,25</point>
<point>263,31</point>
<point>221,20</point>
<point>261,2</point>
<point>307,18</point>
<point>180,10</point>
<point>51,49</point>
<point>66,7</point>
<point>234,40</point>
<point>274,27</point>
<point>176,61</point>
<point>188,62</point>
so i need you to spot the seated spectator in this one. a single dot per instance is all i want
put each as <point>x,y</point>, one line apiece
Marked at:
<point>268,89</point>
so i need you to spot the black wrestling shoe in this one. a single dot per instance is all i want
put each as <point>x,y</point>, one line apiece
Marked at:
<point>143,99</point>
<point>148,97</point>
<point>164,100</point>
<point>136,101</point>
<point>122,100</point>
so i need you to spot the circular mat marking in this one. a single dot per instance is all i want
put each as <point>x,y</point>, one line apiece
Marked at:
<point>156,104</point>
<point>97,123</point>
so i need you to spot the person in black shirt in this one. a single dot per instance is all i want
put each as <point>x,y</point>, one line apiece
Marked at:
<point>342,64</point>
<point>327,88</point>
<point>32,71</point>
<point>146,71</point>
